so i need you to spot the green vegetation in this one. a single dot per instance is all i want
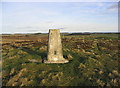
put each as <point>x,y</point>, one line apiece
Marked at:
<point>93,61</point>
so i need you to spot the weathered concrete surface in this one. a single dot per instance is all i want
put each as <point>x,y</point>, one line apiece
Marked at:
<point>54,50</point>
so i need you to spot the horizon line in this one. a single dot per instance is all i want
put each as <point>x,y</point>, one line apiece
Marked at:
<point>60,32</point>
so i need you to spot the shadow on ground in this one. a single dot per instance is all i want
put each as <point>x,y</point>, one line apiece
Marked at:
<point>31,52</point>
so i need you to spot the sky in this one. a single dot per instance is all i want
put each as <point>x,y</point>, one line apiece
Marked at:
<point>34,17</point>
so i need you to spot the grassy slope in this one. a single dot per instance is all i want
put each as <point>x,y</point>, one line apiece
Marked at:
<point>92,61</point>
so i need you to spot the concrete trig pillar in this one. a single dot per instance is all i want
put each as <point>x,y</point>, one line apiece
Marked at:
<point>54,50</point>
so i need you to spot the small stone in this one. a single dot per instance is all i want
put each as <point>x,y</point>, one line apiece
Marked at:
<point>110,75</point>
<point>12,71</point>
<point>69,57</point>
<point>115,72</point>
<point>43,81</point>
<point>100,72</point>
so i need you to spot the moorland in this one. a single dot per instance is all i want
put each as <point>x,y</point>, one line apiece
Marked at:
<point>93,60</point>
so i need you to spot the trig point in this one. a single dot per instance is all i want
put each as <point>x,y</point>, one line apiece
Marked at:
<point>54,50</point>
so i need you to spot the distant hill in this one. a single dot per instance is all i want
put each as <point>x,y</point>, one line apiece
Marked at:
<point>80,33</point>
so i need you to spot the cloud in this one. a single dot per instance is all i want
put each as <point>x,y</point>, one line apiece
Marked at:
<point>28,27</point>
<point>49,22</point>
<point>62,28</point>
<point>113,8</point>
<point>60,0</point>
<point>32,30</point>
<point>40,17</point>
<point>100,4</point>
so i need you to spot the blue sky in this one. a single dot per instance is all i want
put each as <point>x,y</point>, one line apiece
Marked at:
<point>33,17</point>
